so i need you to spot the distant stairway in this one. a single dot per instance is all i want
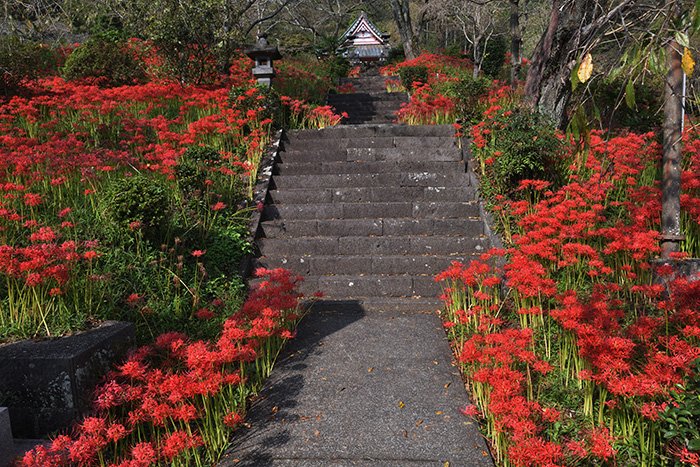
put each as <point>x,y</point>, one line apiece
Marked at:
<point>369,103</point>
<point>372,213</point>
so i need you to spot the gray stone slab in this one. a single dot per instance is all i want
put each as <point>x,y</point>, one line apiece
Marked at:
<point>444,227</point>
<point>445,209</point>
<point>350,227</point>
<point>368,131</point>
<point>357,388</point>
<point>330,155</point>
<point>304,211</point>
<point>374,245</point>
<point>377,210</point>
<point>7,445</point>
<point>428,179</point>
<point>48,384</point>
<point>453,246</point>
<point>301,196</point>
<point>299,246</point>
<point>281,228</point>
<point>349,180</point>
<point>366,286</point>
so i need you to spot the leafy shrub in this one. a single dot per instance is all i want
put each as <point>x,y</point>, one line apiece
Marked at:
<point>681,419</point>
<point>191,170</point>
<point>226,246</point>
<point>645,114</point>
<point>111,63</point>
<point>140,199</point>
<point>413,74</point>
<point>306,78</point>
<point>526,148</point>
<point>21,60</point>
<point>466,93</point>
<point>494,56</point>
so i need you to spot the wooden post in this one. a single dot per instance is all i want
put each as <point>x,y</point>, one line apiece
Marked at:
<point>672,144</point>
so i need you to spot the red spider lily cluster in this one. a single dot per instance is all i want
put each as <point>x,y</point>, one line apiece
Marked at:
<point>426,107</point>
<point>177,401</point>
<point>304,115</point>
<point>436,64</point>
<point>304,81</point>
<point>62,143</point>
<point>429,103</point>
<point>574,338</point>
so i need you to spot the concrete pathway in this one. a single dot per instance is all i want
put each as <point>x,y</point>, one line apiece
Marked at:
<point>362,389</point>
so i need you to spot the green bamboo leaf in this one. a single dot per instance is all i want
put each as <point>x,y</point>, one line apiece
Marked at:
<point>694,444</point>
<point>574,77</point>
<point>630,99</point>
<point>682,39</point>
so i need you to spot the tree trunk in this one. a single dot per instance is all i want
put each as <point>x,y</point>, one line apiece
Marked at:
<point>672,141</point>
<point>402,17</point>
<point>547,87</point>
<point>573,28</point>
<point>515,43</point>
<point>478,57</point>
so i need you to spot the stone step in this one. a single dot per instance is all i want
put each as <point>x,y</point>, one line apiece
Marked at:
<point>369,194</point>
<point>373,154</point>
<point>367,96</point>
<point>367,167</point>
<point>356,286</point>
<point>354,180</point>
<point>415,210</point>
<point>370,120</point>
<point>369,131</point>
<point>371,96</point>
<point>355,246</point>
<point>380,304</point>
<point>363,264</point>
<point>465,226</point>
<point>367,105</point>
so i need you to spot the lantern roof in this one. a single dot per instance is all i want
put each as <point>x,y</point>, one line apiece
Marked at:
<point>263,49</point>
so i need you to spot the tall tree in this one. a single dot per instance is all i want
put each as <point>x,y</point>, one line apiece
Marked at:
<point>516,42</point>
<point>402,17</point>
<point>477,20</point>
<point>573,30</point>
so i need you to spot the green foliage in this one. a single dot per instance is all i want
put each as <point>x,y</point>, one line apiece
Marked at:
<point>191,170</point>
<point>23,60</point>
<point>307,78</point>
<point>107,62</point>
<point>681,420</point>
<point>140,199</point>
<point>412,74</point>
<point>466,93</point>
<point>526,148</point>
<point>337,67</point>
<point>494,56</point>
<point>226,245</point>
<point>188,34</point>
<point>620,102</point>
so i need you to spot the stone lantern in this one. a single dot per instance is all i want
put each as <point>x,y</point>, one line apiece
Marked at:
<point>263,54</point>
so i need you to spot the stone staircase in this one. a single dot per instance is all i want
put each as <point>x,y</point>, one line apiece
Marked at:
<point>371,213</point>
<point>368,214</point>
<point>369,103</point>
